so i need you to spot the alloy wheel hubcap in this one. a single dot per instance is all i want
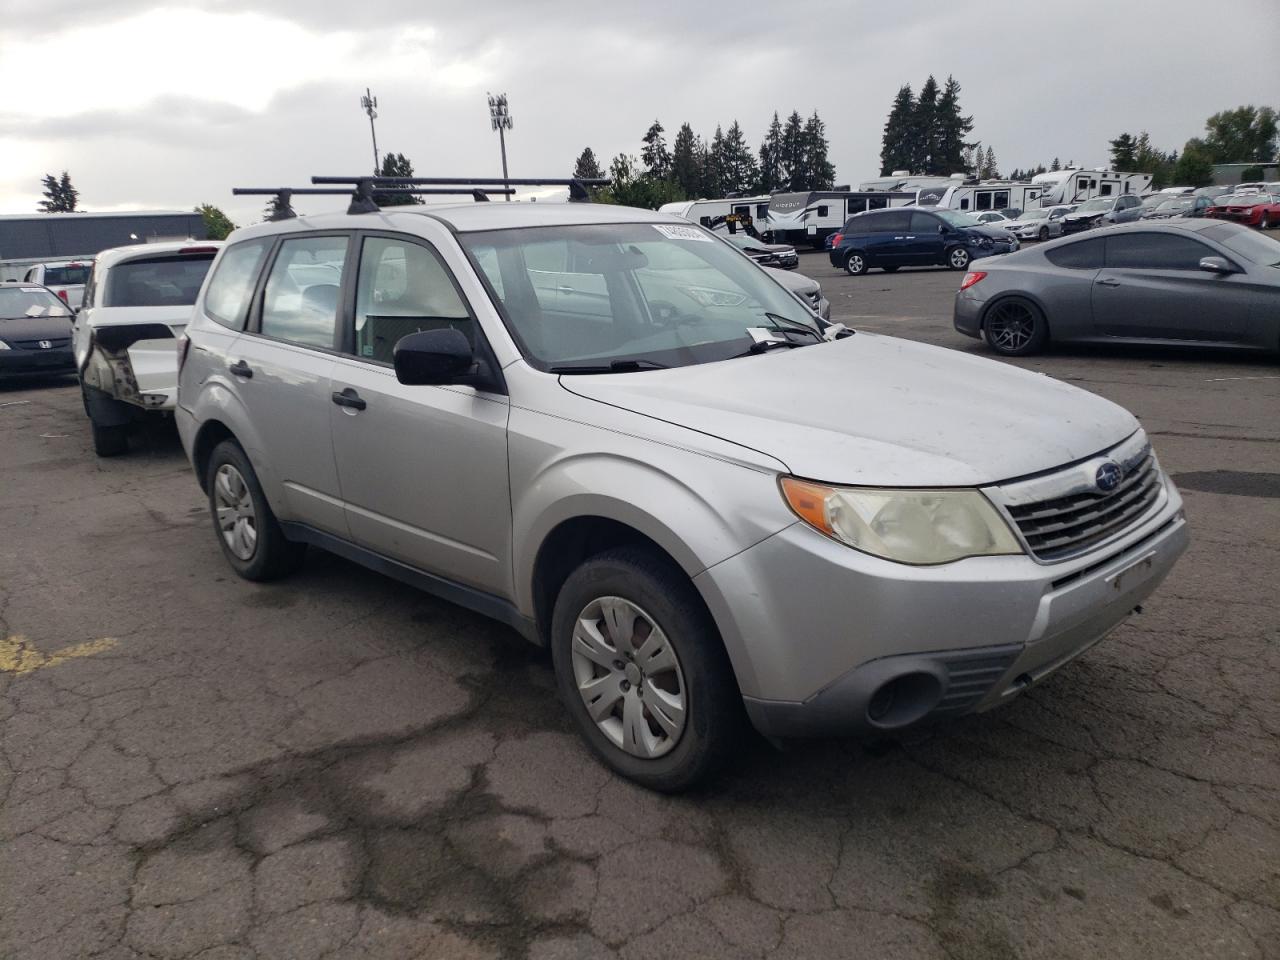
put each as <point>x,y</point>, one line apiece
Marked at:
<point>1011,326</point>
<point>959,258</point>
<point>855,264</point>
<point>237,520</point>
<point>629,677</point>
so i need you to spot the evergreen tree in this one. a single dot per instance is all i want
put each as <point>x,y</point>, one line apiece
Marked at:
<point>654,155</point>
<point>216,223</point>
<point>896,141</point>
<point>686,166</point>
<point>990,170</point>
<point>925,124</point>
<point>59,195</point>
<point>395,165</point>
<point>793,171</point>
<point>1123,149</point>
<point>771,158</point>
<point>952,128</point>
<point>587,167</point>
<point>820,174</point>
<point>1056,165</point>
<point>633,187</point>
<point>737,162</point>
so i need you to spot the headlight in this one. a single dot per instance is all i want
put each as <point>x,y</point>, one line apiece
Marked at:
<point>907,526</point>
<point>709,297</point>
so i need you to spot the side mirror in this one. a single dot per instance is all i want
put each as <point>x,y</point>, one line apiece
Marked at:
<point>434,357</point>
<point>1216,265</point>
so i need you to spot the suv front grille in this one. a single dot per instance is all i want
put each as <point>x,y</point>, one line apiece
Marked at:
<point>1057,525</point>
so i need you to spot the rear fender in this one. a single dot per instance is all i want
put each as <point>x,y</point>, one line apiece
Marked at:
<point>107,366</point>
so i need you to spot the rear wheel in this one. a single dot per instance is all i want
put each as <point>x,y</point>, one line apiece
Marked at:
<point>250,536</point>
<point>958,258</point>
<point>1015,328</point>
<point>642,670</point>
<point>855,264</point>
<point>1265,222</point>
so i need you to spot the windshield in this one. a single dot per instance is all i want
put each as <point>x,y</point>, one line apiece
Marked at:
<point>1241,198</point>
<point>655,293</point>
<point>66,276</point>
<point>1034,214</point>
<point>953,219</point>
<point>1180,204</point>
<point>742,240</point>
<point>166,281</point>
<point>1154,201</point>
<point>1096,204</point>
<point>19,301</point>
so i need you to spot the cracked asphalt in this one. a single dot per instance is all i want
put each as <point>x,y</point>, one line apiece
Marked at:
<point>192,766</point>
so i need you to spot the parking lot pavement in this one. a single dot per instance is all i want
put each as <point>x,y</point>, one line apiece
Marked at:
<point>336,765</point>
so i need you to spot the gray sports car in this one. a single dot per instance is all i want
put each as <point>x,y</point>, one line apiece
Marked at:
<point>1168,281</point>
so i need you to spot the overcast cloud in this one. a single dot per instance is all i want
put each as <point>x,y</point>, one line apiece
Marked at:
<point>154,106</point>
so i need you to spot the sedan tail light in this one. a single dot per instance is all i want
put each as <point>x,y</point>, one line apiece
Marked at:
<point>972,277</point>
<point>835,240</point>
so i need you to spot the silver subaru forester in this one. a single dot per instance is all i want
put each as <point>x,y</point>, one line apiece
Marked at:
<point>611,430</point>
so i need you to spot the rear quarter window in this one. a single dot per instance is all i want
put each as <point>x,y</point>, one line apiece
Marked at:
<point>227,300</point>
<point>1081,255</point>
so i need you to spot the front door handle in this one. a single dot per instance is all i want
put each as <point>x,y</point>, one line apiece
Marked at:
<point>1109,282</point>
<point>241,369</point>
<point>349,398</point>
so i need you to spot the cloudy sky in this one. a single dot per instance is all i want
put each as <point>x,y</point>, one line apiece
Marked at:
<point>166,105</point>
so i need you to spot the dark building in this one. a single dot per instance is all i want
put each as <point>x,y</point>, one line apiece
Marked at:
<point>47,236</point>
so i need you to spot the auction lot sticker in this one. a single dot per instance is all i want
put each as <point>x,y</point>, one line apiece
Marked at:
<point>674,232</point>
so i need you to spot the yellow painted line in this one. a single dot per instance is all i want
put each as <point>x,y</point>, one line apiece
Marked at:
<point>18,656</point>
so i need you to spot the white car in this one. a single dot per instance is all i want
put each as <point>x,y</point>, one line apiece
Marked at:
<point>1039,223</point>
<point>992,218</point>
<point>137,301</point>
<point>64,277</point>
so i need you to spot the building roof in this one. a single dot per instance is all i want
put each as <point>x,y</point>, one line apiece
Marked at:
<point>64,235</point>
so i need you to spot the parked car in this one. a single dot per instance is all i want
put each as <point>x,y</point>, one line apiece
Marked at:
<point>806,288</point>
<point>992,217</point>
<point>1253,186</point>
<point>670,475</point>
<point>780,255</point>
<point>915,237</point>
<point>1101,212</point>
<point>1040,223</point>
<point>1181,206</point>
<point>35,331</point>
<point>137,302</point>
<point>1261,210</point>
<point>1214,192</point>
<point>1171,281</point>
<point>65,278</point>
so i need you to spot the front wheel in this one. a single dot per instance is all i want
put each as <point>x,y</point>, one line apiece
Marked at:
<point>958,258</point>
<point>1044,234</point>
<point>1015,328</point>
<point>248,532</point>
<point>642,670</point>
<point>855,264</point>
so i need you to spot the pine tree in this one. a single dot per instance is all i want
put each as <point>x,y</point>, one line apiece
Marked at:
<point>654,155</point>
<point>587,166</point>
<point>686,166</point>
<point>952,128</point>
<point>771,157</point>
<point>738,163</point>
<point>820,174</point>
<point>1056,165</point>
<point>895,143</point>
<point>1123,152</point>
<point>793,171</point>
<point>713,170</point>
<point>395,165</point>
<point>60,195</point>
<point>990,170</point>
<point>925,128</point>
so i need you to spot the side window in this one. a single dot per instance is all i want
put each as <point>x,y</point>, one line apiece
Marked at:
<point>1155,251</point>
<point>892,221</point>
<point>403,288</point>
<point>1001,201</point>
<point>822,211</point>
<point>232,284</point>
<point>1081,255</point>
<point>31,276</point>
<point>983,201</point>
<point>1104,190</point>
<point>964,203</point>
<point>300,303</point>
<point>923,223</point>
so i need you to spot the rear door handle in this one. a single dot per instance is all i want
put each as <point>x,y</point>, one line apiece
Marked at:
<point>241,369</point>
<point>349,398</point>
<point>1109,282</point>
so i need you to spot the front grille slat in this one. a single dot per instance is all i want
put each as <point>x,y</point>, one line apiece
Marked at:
<point>1064,526</point>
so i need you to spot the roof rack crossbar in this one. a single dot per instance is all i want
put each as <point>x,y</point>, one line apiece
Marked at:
<point>363,199</point>
<point>578,192</point>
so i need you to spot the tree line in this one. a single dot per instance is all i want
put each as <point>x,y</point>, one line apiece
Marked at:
<point>925,134</point>
<point>1246,134</point>
<point>793,156</point>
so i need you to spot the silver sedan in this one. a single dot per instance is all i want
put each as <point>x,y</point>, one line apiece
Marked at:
<point>1042,223</point>
<point>1184,281</point>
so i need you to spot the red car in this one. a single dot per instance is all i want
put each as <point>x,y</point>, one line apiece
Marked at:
<point>1261,210</point>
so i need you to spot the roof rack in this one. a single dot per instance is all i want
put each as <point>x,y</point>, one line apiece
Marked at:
<point>361,202</point>
<point>364,186</point>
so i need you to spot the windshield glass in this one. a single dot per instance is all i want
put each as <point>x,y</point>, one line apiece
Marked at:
<point>1181,203</point>
<point>1239,198</point>
<point>1034,214</point>
<point>1096,204</point>
<point>170,281</point>
<point>1154,201</point>
<point>954,219</point>
<point>656,292</point>
<point>66,276</point>
<point>18,301</point>
<point>742,240</point>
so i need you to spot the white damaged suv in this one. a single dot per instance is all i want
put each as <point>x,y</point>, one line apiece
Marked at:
<point>611,430</point>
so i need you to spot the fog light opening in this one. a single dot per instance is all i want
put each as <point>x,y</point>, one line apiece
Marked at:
<point>903,700</point>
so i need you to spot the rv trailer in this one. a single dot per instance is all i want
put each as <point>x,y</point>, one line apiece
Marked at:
<point>812,216</point>
<point>1076,185</point>
<point>705,211</point>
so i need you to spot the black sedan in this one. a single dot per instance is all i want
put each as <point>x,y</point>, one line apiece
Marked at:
<point>1183,281</point>
<point>35,331</point>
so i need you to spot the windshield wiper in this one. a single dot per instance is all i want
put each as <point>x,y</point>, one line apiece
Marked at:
<point>761,346</point>
<point>613,366</point>
<point>786,323</point>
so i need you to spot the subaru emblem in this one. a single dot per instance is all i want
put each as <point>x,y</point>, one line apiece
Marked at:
<point>45,344</point>
<point>1108,476</point>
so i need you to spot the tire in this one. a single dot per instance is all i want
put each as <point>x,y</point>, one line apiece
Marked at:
<point>1043,235</point>
<point>855,264</point>
<point>257,548</point>
<point>645,591</point>
<point>958,258</point>
<point>892,269</point>
<point>1014,327</point>
<point>109,441</point>
<point>1264,223</point>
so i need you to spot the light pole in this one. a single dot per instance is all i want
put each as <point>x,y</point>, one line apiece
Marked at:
<point>500,120</point>
<point>370,104</point>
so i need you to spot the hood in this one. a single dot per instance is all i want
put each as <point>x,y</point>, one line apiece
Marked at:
<point>877,410</point>
<point>1086,214</point>
<point>988,230</point>
<point>35,328</point>
<point>795,282</point>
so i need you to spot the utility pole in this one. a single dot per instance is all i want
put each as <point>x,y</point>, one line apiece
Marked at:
<point>370,104</point>
<point>500,120</point>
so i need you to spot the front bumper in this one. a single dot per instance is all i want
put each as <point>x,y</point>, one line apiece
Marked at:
<point>18,361</point>
<point>1079,226</point>
<point>818,632</point>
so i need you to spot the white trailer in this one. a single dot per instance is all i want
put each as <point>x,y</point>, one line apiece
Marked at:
<point>812,216</point>
<point>903,181</point>
<point>704,211</point>
<point>972,196</point>
<point>1075,185</point>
